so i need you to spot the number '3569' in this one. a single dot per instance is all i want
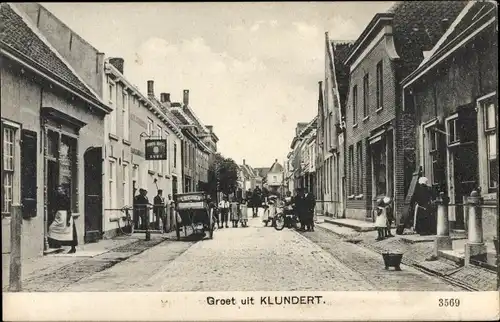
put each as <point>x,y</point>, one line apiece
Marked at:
<point>449,302</point>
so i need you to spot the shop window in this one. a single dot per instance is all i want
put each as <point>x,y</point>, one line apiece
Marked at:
<point>379,154</point>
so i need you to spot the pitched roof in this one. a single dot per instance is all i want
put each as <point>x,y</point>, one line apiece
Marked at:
<point>262,171</point>
<point>340,52</point>
<point>474,16</point>
<point>187,110</point>
<point>417,26</point>
<point>180,117</point>
<point>276,167</point>
<point>24,42</point>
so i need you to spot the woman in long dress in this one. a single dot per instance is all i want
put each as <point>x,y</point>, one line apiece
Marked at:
<point>423,222</point>
<point>233,209</point>
<point>62,230</point>
<point>244,213</point>
<point>381,219</point>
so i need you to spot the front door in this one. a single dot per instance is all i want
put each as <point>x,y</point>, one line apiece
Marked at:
<point>465,161</point>
<point>93,194</point>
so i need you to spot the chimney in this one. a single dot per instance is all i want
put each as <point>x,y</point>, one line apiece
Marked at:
<point>320,88</point>
<point>185,98</point>
<point>276,160</point>
<point>117,62</point>
<point>243,161</point>
<point>165,97</point>
<point>210,128</point>
<point>151,88</point>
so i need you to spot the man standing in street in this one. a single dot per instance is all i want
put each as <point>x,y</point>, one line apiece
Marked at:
<point>311,204</point>
<point>300,207</point>
<point>159,211</point>
<point>141,203</point>
<point>224,211</point>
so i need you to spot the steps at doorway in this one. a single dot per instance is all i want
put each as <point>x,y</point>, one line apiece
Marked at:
<point>357,225</point>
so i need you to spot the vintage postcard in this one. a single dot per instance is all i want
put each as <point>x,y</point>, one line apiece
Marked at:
<point>249,161</point>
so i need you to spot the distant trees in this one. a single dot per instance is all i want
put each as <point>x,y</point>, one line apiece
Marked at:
<point>222,175</point>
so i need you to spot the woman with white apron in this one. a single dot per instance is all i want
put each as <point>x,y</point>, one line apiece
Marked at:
<point>381,220</point>
<point>62,230</point>
<point>244,213</point>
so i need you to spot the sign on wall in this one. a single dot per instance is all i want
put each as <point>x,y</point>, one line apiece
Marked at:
<point>156,149</point>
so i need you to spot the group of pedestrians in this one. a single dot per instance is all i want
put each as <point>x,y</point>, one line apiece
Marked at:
<point>304,205</point>
<point>232,210</point>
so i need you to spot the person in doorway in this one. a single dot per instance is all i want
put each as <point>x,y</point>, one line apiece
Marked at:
<point>159,211</point>
<point>381,219</point>
<point>224,210</point>
<point>309,215</point>
<point>62,230</point>
<point>423,223</point>
<point>141,203</point>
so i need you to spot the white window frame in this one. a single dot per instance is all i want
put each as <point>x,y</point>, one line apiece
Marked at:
<point>425,161</point>
<point>16,165</point>
<point>112,103</point>
<point>126,115</point>
<point>112,184</point>
<point>126,184</point>
<point>483,133</point>
<point>452,118</point>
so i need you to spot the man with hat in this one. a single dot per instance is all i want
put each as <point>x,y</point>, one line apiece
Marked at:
<point>141,203</point>
<point>159,211</point>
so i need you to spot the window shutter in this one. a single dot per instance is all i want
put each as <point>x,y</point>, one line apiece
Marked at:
<point>28,173</point>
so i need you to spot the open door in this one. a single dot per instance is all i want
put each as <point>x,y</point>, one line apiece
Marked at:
<point>93,194</point>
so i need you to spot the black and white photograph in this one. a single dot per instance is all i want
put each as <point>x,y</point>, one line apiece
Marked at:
<point>249,160</point>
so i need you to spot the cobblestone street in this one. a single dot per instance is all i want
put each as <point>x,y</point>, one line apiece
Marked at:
<point>256,258</point>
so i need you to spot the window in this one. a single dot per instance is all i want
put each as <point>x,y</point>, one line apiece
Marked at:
<point>167,146</point>
<point>355,105</point>
<point>112,184</point>
<point>435,153</point>
<point>125,116</point>
<point>380,86</point>
<point>175,155</point>
<point>380,167</point>
<point>125,185</point>
<point>489,120</point>
<point>150,133</point>
<point>8,153</point>
<point>359,168</point>
<point>159,163</point>
<point>452,132</point>
<point>366,97</point>
<point>351,170</point>
<point>112,104</point>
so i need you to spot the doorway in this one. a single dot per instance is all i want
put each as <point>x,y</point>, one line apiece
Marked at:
<point>93,194</point>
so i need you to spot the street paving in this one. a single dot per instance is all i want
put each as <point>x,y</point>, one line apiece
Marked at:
<point>257,258</point>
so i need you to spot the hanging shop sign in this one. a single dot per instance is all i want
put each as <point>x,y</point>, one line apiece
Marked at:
<point>156,149</point>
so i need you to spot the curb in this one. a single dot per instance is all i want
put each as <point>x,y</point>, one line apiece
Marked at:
<point>410,262</point>
<point>356,228</point>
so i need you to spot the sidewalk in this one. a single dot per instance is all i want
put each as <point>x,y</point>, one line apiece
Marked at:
<point>48,264</point>
<point>473,277</point>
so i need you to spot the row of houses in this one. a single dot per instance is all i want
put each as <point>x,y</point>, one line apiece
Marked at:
<point>271,178</point>
<point>71,117</point>
<point>416,93</point>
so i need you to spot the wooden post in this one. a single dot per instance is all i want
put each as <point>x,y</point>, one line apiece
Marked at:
<point>15,248</point>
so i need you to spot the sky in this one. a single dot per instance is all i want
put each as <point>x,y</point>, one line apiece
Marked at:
<point>252,69</point>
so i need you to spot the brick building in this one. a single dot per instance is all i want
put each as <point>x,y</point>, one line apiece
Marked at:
<point>379,136</point>
<point>453,97</point>
<point>51,123</point>
<point>330,130</point>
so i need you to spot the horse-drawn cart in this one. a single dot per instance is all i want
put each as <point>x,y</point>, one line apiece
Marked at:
<point>193,210</point>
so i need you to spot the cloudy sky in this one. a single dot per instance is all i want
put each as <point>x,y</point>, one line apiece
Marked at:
<point>252,68</point>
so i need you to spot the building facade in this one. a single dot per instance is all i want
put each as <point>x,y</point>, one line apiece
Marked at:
<point>275,177</point>
<point>453,97</point>
<point>379,136</point>
<point>52,127</point>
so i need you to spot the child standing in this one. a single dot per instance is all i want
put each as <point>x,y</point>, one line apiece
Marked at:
<point>381,220</point>
<point>233,208</point>
<point>244,213</point>
<point>390,215</point>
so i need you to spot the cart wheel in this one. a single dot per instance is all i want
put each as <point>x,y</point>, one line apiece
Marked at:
<point>178,232</point>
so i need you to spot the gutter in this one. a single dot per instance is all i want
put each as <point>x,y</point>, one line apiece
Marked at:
<point>101,106</point>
